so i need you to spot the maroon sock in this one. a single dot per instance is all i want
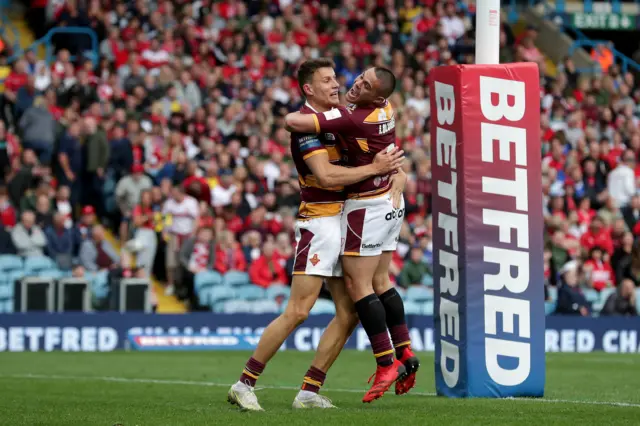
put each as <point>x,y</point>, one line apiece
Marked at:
<point>400,338</point>
<point>251,372</point>
<point>313,380</point>
<point>382,349</point>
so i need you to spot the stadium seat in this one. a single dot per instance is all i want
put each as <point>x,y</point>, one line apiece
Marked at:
<point>235,279</point>
<point>597,306</point>
<point>14,276</point>
<point>54,274</point>
<point>212,295</point>
<point>6,291</point>
<point>250,292</point>
<point>402,292</point>
<point>549,308</point>
<point>323,306</point>
<point>237,307</point>
<point>412,308</point>
<point>591,295</point>
<point>265,306</point>
<point>9,262</point>
<point>276,291</point>
<point>419,294</point>
<point>33,265</point>
<point>427,308</point>
<point>6,306</point>
<point>427,280</point>
<point>206,279</point>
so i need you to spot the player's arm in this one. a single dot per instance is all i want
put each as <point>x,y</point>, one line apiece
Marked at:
<point>329,175</point>
<point>398,182</point>
<point>337,120</point>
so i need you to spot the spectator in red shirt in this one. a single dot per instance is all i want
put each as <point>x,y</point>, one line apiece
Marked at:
<point>597,235</point>
<point>267,269</point>
<point>7,211</point>
<point>229,255</point>
<point>598,269</point>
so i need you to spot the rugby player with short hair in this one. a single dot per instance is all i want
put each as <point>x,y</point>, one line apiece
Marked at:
<point>371,224</point>
<point>317,158</point>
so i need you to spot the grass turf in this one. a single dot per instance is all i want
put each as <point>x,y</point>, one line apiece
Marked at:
<point>189,388</point>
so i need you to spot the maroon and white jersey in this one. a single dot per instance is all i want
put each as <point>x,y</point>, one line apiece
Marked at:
<point>316,201</point>
<point>365,131</point>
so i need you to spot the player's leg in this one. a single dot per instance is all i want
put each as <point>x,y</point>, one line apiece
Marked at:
<point>312,263</point>
<point>331,343</point>
<point>396,323</point>
<point>304,292</point>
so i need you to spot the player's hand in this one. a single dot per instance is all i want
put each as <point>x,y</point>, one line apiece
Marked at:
<point>398,182</point>
<point>388,160</point>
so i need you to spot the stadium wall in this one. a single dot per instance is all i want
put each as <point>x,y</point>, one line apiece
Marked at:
<point>77,332</point>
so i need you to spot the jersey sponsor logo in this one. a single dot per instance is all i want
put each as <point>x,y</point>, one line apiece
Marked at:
<point>395,214</point>
<point>329,137</point>
<point>310,142</point>
<point>332,114</point>
<point>315,259</point>
<point>371,246</point>
<point>387,127</point>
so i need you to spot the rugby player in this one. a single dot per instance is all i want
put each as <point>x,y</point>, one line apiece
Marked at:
<point>318,237</point>
<point>371,224</point>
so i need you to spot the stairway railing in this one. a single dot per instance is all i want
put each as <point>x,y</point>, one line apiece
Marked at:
<point>8,31</point>
<point>581,39</point>
<point>46,42</point>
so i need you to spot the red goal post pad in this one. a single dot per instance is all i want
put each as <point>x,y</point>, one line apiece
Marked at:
<point>488,230</point>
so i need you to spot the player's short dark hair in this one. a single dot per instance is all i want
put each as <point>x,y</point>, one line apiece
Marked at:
<point>387,81</point>
<point>308,68</point>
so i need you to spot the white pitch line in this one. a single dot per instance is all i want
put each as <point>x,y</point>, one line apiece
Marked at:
<point>225,385</point>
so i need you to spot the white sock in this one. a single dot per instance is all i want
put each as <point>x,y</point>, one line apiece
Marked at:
<point>305,394</point>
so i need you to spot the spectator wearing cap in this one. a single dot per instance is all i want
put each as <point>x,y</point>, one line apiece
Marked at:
<point>28,238</point>
<point>84,226</point>
<point>414,271</point>
<point>128,192</point>
<point>37,127</point>
<point>61,243</point>
<point>622,302</point>
<point>571,300</point>
<point>197,254</point>
<point>622,181</point>
<point>70,162</point>
<point>267,270</point>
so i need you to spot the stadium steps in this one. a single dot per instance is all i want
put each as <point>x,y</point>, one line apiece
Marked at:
<point>166,304</point>
<point>520,27</point>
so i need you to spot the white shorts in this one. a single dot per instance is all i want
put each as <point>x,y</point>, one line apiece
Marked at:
<point>371,226</point>
<point>318,243</point>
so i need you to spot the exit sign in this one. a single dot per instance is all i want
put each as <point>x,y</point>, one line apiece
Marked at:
<point>603,21</point>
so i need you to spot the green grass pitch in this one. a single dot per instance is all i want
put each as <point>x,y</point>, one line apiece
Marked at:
<point>189,388</point>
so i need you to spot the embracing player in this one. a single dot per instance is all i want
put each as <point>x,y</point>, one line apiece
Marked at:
<point>317,158</point>
<point>371,224</point>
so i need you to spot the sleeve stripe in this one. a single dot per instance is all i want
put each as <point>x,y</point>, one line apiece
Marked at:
<point>316,122</point>
<point>316,152</point>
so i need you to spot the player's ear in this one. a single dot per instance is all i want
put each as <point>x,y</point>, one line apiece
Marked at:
<point>379,100</point>
<point>308,90</point>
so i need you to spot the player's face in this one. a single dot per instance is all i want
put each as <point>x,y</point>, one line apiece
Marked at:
<point>326,87</point>
<point>364,89</point>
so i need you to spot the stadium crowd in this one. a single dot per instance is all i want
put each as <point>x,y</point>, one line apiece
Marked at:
<point>173,137</point>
